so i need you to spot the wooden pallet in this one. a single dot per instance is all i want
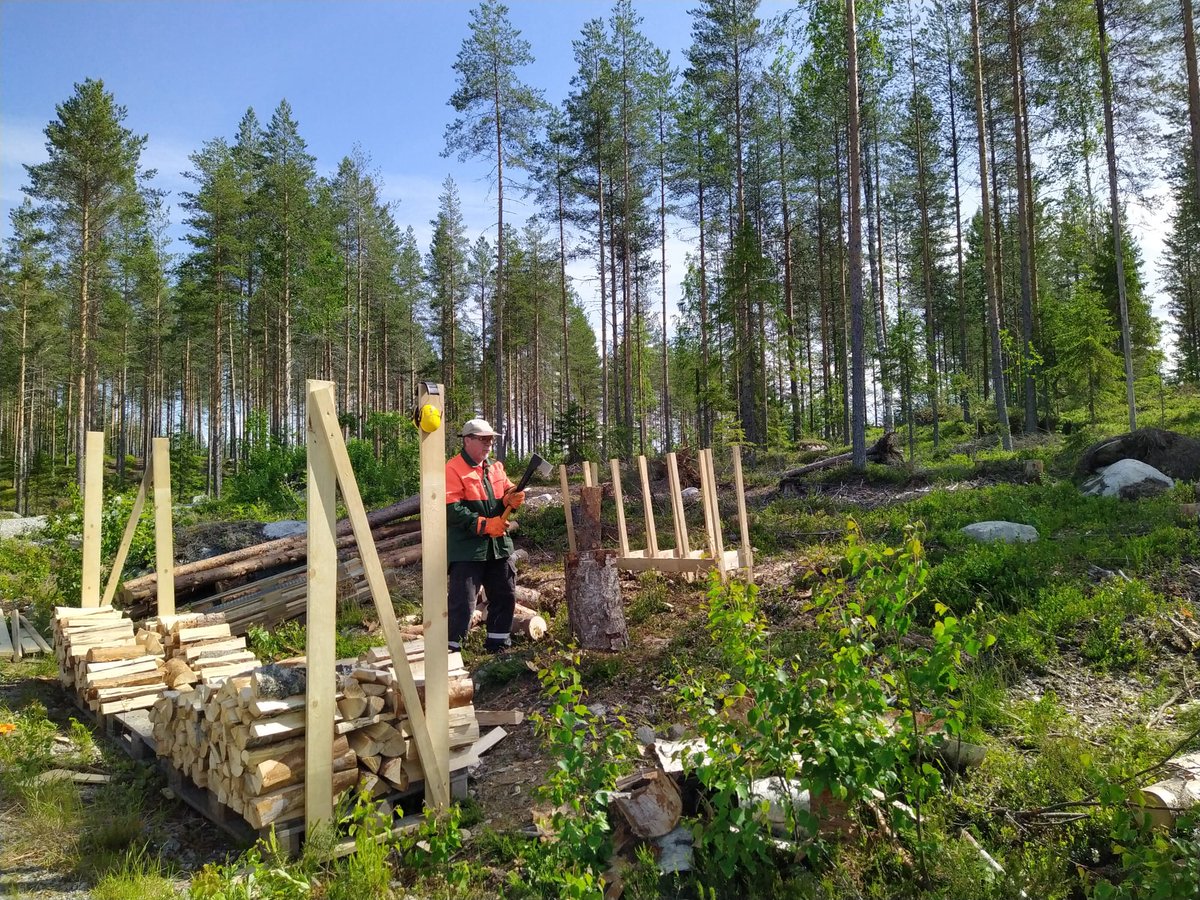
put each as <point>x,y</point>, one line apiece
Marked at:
<point>131,731</point>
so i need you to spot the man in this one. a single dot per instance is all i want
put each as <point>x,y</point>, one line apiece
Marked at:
<point>478,546</point>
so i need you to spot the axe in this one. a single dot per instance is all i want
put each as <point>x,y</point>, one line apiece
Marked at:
<point>537,466</point>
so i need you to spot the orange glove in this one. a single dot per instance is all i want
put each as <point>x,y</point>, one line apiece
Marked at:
<point>513,499</point>
<point>493,527</point>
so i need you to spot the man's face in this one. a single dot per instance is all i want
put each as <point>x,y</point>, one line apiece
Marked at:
<point>479,446</point>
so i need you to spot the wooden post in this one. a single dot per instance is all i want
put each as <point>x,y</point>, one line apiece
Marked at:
<point>164,538</point>
<point>566,499</point>
<point>745,552</point>
<point>682,548</point>
<point>320,645</point>
<point>618,496</point>
<point>706,505</point>
<point>329,432</point>
<point>587,474</point>
<point>434,587</point>
<point>93,500</point>
<point>718,537</point>
<point>648,510</point>
<point>118,566</point>
<point>595,474</point>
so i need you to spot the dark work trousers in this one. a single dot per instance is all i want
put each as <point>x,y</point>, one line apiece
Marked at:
<point>498,578</point>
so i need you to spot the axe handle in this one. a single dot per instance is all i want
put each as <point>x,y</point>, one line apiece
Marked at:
<point>534,462</point>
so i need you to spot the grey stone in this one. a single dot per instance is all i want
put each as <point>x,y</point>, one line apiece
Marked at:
<point>541,500</point>
<point>676,732</point>
<point>283,528</point>
<point>1129,479</point>
<point>599,710</point>
<point>690,495</point>
<point>1008,532</point>
<point>16,527</point>
<point>644,734</point>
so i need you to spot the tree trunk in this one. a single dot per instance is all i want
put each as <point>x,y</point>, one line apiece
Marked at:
<point>858,363</point>
<point>1023,224</point>
<point>1193,92</point>
<point>990,286</point>
<point>1110,149</point>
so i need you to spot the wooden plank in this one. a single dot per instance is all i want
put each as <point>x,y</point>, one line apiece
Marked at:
<point>622,534</point>
<point>93,500</point>
<point>648,509</point>
<point>566,499</point>
<point>682,548</point>
<point>330,434</point>
<point>668,565</point>
<point>17,650</point>
<point>587,474</point>
<point>706,505</point>
<point>6,647</point>
<point>434,590</point>
<point>718,537</point>
<point>31,633</point>
<point>745,552</point>
<point>320,705</point>
<point>488,718</point>
<point>164,538</point>
<point>118,566</point>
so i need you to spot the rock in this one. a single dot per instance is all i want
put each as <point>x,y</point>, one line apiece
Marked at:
<point>19,526</point>
<point>1129,479</point>
<point>1008,532</point>
<point>599,710</point>
<point>644,734</point>
<point>676,732</point>
<point>283,528</point>
<point>542,500</point>
<point>690,494</point>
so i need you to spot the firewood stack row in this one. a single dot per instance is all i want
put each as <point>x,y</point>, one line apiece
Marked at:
<point>112,667</point>
<point>199,647</point>
<point>244,737</point>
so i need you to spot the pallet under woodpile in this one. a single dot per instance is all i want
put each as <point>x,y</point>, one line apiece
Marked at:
<point>230,732</point>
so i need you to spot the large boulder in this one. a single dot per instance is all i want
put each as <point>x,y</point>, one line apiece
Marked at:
<point>1173,454</point>
<point>1008,532</point>
<point>1129,479</point>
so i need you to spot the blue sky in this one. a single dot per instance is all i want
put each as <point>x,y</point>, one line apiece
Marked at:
<point>373,73</point>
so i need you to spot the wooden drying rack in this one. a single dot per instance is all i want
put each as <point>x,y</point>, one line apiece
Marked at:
<point>681,559</point>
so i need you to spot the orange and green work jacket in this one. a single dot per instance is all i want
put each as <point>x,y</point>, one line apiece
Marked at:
<point>473,492</point>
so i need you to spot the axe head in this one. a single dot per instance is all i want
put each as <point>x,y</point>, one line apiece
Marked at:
<point>537,466</point>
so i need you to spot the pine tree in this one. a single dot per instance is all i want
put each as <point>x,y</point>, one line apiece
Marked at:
<point>89,183</point>
<point>498,114</point>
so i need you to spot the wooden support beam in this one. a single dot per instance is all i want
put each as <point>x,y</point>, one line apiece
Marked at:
<point>566,499</point>
<point>434,590</point>
<point>707,506</point>
<point>118,566</point>
<point>682,547</point>
<point>93,500</point>
<point>17,651</point>
<point>718,537</point>
<point>595,474</point>
<point>745,552</point>
<point>587,474</point>
<point>6,647</point>
<point>320,702</point>
<point>648,509</point>
<point>164,538</point>
<point>622,534</point>
<point>329,433</point>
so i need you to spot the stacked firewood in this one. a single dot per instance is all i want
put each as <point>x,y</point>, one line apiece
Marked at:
<point>112,667</point>
<point>199,647</point>
<point>244,738</point>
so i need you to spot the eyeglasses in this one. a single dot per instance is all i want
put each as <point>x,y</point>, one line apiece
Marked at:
<point>485,439</point>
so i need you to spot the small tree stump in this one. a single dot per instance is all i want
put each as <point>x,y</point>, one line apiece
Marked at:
<point>595,610</point>
<point>587,521</point>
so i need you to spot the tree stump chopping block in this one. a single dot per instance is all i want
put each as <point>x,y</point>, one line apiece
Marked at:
<point>595,610</point>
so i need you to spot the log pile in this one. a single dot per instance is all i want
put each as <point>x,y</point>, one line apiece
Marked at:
<point>111,666</point>
<point>394,539</point>
<point>243,737</point>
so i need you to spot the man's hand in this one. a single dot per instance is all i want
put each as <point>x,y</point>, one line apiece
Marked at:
<point>513,499</point>
<point>493,527</point>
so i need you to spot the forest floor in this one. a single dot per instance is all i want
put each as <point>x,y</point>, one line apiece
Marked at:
<point>1093,659</point>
